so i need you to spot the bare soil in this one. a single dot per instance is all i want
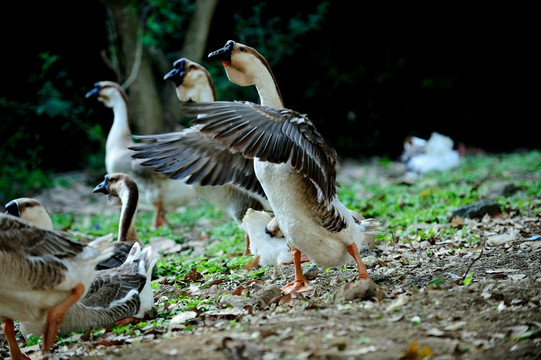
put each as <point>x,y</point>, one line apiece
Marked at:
<point>422,309</point>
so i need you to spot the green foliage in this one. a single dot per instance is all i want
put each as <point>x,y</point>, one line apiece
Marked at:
<point>274,34</point>
<point>468,279</point>
<point>164,22</point>
<point>43,133</point>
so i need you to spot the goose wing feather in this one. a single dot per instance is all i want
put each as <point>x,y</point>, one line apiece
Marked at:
<point>112,285</point>
<point>271,135</point>
<point>22,238</point>
<point>198,159</point>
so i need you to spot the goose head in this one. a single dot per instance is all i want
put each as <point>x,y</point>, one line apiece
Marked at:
<point>245,66</point>
<point>119,188</point>
<point>122,190</point>
<point>192,80</point>
<point>109,93</point>
<point>30,210</point>
<point>240,62</point>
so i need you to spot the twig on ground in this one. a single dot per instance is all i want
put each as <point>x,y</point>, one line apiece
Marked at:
<point>473,261</point>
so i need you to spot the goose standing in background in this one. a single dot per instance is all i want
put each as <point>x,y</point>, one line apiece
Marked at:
<point>117,294</point>
<point>236,188</point>
<point>43,274</point>
<point>164,194</point>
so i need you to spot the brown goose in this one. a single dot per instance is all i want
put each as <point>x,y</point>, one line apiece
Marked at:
<point>121,190</point>
<point>43,274</point>
<point>164,194</point>
<point>245,66</point>
<point>117,294</point>
<point>30,210</point>
<point>297,170</point>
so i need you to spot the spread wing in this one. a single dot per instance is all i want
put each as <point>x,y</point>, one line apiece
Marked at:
<point>272,135</point>
<point>196,157</point>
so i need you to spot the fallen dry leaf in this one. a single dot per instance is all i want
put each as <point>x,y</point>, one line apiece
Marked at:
<point>414,353</point>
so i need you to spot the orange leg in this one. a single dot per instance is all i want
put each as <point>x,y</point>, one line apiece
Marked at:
<point>304,259</point>
<point>354,251</point>
<point>55,316</point>
<point>14,350</point>
<point>247,246</point>
<point>300,284</point>
<point>159,216</point>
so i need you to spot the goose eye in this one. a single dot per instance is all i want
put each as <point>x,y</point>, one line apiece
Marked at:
<point>192,66</point>
<point>242,49</point>
<point>27,205</point>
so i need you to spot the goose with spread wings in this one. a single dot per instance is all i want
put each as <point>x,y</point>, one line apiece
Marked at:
<point>296,168</point>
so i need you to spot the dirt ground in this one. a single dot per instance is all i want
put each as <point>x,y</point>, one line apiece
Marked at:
<point>421,309</point>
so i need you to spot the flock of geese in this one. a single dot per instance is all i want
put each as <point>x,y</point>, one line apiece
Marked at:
<point>266,166</point>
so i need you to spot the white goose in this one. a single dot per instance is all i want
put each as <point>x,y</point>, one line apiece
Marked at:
<point>237,188</point>
<point>164,194</point>
<point>117,294</point>
<point>245,66</point>
<point>43,274</point>
<point>297,169</point>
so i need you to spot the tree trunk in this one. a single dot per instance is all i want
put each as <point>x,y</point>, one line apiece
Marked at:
<point>145,105</point>
<point>197,33</point>
<point>193,48</point>
<point>148,114</point>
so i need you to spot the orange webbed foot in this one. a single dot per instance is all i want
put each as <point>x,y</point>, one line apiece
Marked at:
<point>297,286</point>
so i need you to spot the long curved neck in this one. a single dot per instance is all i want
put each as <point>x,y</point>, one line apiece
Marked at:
<point>267,88</point>
<point>126,226</point>
<point>205,94</point>
<point>120,133</point>
<point>200,93</point>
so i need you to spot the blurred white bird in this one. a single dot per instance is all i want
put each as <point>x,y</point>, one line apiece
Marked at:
<point>436,154</point>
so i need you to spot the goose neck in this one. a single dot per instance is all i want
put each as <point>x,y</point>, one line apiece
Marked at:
<point>120,128</point>
<point>126,228</point>
<point>267,88</point>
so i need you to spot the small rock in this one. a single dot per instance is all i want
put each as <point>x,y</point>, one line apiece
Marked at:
<point>177,322</point>
<point>239,302</point>
<point>370,261</point>
<point>501,239</point>
<point>360,289</point>
<point>163,246</point>
<point>478,210</point>
<point>312,272</point>
<point>268,293</point>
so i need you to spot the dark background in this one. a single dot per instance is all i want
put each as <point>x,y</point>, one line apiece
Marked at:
<point>368,77</point>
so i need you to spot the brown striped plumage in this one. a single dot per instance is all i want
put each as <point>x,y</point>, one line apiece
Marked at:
<point>43,273</point>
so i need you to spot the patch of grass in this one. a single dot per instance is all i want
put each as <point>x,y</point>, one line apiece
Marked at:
<point>433,197</point>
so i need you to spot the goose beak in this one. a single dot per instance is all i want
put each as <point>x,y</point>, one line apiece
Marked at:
<point>224,54</point>
<point>177,73</point>
<point>102,187</point>
<point>94,92</point>
<point>12,208</point>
